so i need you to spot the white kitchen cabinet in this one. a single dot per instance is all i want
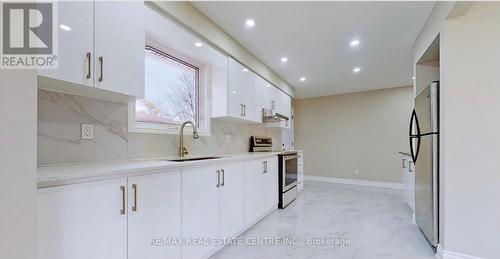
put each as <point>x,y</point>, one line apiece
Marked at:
<point>133,217</point>
<point>276,100</point>
<point>119,47</point>
<point>200,210</point>
<point>104,47</point>
<point>83,221</point>
<point>261,188</point>
<point>240,98</point>
<point>269,94</point>
<point>231,200</point>
<point>408,171</point>
<point>154,213</point>
<point>75,46</point>
<point>270,183</point>
<point>254,194</point>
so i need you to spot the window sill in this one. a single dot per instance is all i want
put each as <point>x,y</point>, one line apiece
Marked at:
<point>145,129</point>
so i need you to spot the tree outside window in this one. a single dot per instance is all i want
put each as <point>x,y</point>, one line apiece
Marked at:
<point>172,90</point>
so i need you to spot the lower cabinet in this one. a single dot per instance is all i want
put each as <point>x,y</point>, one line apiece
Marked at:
<point>144,216</point>
<point>83,221</point>
<point>270,183</point>
<point>232,200</point>
<point>254,195</point>
<point>212,207</point>
<point>200,210</point>
<point>154,216</point>
<point>111,219</point>
<point>261,188</point>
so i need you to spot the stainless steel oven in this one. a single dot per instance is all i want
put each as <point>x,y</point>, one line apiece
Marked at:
<point>288,174</point>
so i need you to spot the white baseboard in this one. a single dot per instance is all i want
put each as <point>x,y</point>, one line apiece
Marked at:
<point>398,186</point>
<point>443,254</point>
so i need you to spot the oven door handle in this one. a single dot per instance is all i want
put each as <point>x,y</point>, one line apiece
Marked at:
<point>290,157</point>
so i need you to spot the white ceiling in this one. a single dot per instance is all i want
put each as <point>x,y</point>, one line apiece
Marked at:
<point>315,37</point>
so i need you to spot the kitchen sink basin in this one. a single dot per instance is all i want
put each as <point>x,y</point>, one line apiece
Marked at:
<point>186,159</point>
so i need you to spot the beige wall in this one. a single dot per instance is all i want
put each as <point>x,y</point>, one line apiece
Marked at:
<point>470,72</point>
<point>18,164</point>
<point>360,131</point>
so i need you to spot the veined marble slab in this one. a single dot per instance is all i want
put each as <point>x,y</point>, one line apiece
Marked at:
<point>55,175</point>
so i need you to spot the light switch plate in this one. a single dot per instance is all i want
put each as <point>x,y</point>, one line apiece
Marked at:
<point>87,131</point>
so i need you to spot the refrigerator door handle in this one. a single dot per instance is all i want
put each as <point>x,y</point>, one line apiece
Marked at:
<point>414,153</point>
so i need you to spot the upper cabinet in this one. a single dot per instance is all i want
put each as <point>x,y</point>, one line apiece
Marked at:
<point>279,102</point>
<point>101,46</point>
<point>240,97</point>
<point>75,44</point>
<point>119,47</point>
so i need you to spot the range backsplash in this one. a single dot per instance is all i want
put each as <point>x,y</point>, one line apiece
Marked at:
<point>60,116</point>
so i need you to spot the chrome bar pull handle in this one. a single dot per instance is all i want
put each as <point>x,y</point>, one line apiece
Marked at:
<point>265,167</point>
<point>134,187</point>
<point>89,67</point>
<point>244,110</point>
<point>404,163</point>
<point>122,211</point>
<point>101,64</point>
<point>222,184</point>
<point>218,179</point>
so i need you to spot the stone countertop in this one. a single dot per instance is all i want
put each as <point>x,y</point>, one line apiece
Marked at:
<point>55,175</point>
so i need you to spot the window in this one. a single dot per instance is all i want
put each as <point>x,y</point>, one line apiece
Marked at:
<point>172,94</point>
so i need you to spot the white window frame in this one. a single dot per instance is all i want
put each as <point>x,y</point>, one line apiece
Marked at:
<point>204,105</point>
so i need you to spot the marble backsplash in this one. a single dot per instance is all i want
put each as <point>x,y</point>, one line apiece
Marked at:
<point>60,116</point>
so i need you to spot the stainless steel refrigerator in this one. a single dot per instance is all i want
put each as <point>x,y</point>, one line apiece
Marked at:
<point>424,149</point>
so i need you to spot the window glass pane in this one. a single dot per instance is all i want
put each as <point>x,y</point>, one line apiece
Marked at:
<point>171,94</point>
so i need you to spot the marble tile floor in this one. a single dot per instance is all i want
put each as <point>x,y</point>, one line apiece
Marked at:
<point>371,222</point>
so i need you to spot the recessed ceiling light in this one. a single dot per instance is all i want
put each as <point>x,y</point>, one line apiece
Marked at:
<point>250,23</point>
<point>413,78</point>
<point>245,69</point>
<point>302,79</point>
<point>284,59</point>
<point>198,44</point>
<point>356,70</point>
<point>64,27</point>
<point>268,85</point>
<point>234,92</point>
<point>354,43</point>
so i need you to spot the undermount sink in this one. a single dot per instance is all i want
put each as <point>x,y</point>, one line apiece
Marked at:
<point>186,159</point>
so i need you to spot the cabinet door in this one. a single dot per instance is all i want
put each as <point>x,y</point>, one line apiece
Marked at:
<point>154,213</point>
<point>253,191</point>
<point>284,107</point>
<point>200,210</point>
<point>270,183</point>
<point>238,84</point>
<point>268,101</point>
<point>83,221</point>
<point>75,44</point>
<point>119,47</point>
<point>254,108</point>
<point>232,200</point>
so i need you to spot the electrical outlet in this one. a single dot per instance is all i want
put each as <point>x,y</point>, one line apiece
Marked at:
<point>87,131</point>
<point>356,172</point>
